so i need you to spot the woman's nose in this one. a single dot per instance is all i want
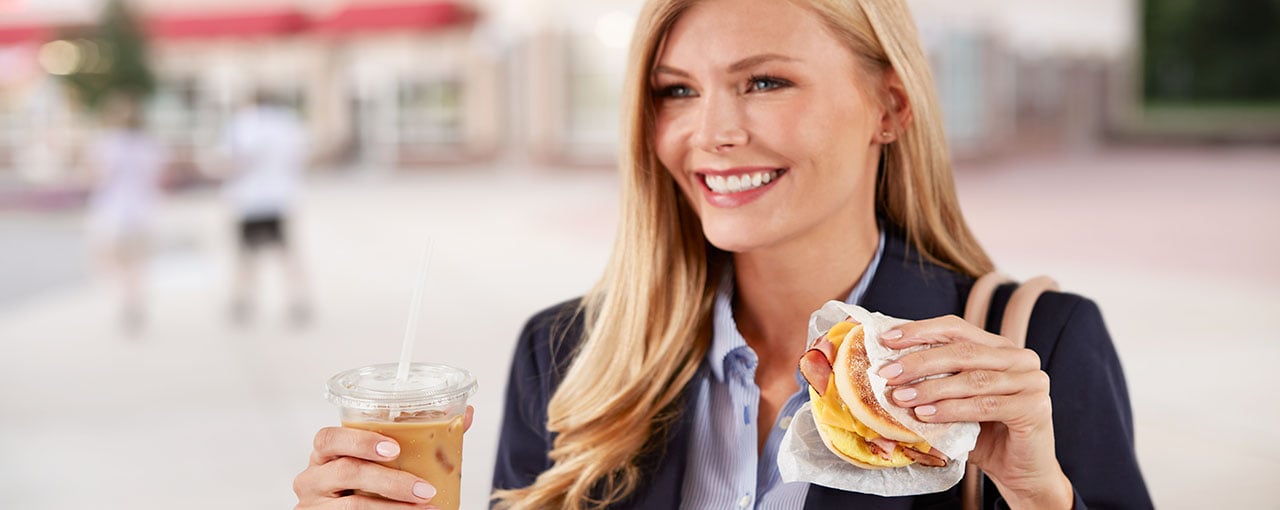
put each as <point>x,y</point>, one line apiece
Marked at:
<point>720,126</point>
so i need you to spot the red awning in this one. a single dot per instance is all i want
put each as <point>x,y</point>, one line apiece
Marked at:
<point>21,33</point>
<point>227,24</point>
<point>415,15</point>
<point>412,15</point>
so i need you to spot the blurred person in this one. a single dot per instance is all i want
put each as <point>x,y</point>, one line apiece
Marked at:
<point>778,155</point>
<point>127,166</point>
<point>266,146</point>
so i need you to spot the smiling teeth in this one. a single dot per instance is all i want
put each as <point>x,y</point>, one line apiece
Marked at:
<point>738,183</point>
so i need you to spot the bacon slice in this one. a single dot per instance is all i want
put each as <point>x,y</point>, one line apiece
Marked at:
<point>825,347</point>
<point>876,449</point>
<point>815,364</point>
<point>884,447</point>
<point>932,458</point>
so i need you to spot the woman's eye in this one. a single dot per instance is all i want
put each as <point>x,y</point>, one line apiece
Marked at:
<point>764,83</point>
<point>674,92</point>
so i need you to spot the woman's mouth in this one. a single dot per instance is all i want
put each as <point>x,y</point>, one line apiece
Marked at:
<point>737,187</point>
<point>738,183</point>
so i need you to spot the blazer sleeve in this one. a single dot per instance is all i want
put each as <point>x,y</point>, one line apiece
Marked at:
<point>542,354</point>
<point>1092,418</point>
<point>523,442</point>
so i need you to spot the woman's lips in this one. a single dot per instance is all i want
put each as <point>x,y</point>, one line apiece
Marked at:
<point>737,186</point>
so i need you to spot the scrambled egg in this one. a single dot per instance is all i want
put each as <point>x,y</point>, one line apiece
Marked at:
<point>845,432</point>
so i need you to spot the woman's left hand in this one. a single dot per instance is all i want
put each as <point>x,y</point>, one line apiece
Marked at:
<point>994,383</point>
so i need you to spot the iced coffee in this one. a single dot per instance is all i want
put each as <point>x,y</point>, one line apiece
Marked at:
<point>424,413</point>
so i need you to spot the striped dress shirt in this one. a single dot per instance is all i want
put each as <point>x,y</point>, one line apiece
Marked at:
<point>724,468</point>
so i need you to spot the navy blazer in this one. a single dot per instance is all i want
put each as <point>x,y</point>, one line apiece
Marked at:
<point>1093,424</point>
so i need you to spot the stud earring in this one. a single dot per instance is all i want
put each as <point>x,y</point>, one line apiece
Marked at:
<point>886,136</point>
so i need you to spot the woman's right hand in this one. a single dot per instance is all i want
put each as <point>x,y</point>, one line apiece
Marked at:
<point>344,461</point>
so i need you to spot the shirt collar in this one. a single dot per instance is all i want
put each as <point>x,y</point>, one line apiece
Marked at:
<point>725,337</point>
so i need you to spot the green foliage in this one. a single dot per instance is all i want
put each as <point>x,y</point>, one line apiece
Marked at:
<point>1211,50</point>
<point>119,65</point>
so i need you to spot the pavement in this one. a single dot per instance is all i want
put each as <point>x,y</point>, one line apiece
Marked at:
<point>1178,246</point>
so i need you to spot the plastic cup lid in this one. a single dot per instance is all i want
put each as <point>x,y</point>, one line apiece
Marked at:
<point>374,387</point>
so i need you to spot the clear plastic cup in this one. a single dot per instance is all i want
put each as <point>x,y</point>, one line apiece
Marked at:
<point>424,413</point>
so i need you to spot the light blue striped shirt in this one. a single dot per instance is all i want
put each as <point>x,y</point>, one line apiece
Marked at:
<point>723,468</point>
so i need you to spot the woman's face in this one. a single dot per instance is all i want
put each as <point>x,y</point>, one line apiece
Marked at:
<point>767,123</point>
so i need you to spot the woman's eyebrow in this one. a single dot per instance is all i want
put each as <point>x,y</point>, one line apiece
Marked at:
<point>661,69</point>
<point>739,66</point>
<point>755,60</point>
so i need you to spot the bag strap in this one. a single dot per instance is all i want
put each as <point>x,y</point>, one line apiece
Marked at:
<point>1017,315</point>
<point>979,302</point>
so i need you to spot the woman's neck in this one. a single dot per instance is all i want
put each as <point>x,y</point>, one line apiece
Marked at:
<point>776,290</point>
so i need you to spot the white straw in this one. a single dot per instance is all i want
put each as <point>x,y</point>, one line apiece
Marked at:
<point>411,330</point>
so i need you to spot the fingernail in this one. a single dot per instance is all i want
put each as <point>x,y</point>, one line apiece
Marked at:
<point>891,370</point>
<point>892,334</point>
<point>424,490</point>
<point>388,449</point>
<point>926,411</point>
<point>904,394</point>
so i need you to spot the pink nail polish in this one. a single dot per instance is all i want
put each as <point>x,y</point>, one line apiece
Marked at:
<point>892,334</point>
<point>388,449</point>
<point>926,411</point>
<point>904,394</point>
<point>424,490</point>
<point>891,370</point>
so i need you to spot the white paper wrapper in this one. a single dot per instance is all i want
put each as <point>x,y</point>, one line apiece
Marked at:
<point>803,457</point>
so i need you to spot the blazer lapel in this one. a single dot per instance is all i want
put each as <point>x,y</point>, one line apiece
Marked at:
<point>908,286</point>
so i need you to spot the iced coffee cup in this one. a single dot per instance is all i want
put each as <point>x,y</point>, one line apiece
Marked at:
<point>424,413</point>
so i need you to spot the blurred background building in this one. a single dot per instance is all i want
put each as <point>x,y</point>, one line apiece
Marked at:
<point>378,83</point>
<point>403,83</point>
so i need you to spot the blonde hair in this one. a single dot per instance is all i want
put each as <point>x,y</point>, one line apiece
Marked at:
<point>647,319</point>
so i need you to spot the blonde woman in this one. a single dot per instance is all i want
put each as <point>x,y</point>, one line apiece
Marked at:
<point>781,154</point>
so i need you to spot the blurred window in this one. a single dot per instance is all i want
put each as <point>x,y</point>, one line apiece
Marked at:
<point>9,131</point>
<point>594,91</point>
<point>293,98</point>
<point>430,112</point>
<point>962,88</point>
<point>175,114</point>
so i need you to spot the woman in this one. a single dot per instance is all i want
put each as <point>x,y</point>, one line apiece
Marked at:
<point>783,154</point>
<point>127,166</point>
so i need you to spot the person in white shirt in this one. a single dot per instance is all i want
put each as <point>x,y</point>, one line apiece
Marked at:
<point>266,145</point>
<point>127,166</point>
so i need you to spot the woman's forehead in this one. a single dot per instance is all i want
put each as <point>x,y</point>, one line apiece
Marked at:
<point>721,33</point>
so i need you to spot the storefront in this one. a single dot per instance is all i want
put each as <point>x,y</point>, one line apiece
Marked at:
<point>379,85</point>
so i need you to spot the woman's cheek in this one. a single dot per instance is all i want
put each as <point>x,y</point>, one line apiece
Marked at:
<point>665,147</point>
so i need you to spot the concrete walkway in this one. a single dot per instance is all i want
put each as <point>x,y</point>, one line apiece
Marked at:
<point>1178,247</point>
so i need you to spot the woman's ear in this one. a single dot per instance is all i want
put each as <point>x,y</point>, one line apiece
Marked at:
<point>897,115</point>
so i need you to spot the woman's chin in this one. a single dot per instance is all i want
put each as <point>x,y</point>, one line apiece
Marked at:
<point>736,240</point>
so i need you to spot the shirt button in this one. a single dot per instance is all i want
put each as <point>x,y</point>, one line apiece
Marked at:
<point>784,422</point>
<point>744,502</point>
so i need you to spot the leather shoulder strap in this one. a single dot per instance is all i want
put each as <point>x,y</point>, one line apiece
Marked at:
<point>975,311</point>
<point>1017,315</point>
<point>979,302</point>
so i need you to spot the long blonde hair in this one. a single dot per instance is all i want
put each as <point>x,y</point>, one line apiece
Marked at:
<point>647,319</point>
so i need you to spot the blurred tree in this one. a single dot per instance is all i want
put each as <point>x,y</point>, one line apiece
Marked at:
<point>1211,50</point>
<point>113,59</point>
